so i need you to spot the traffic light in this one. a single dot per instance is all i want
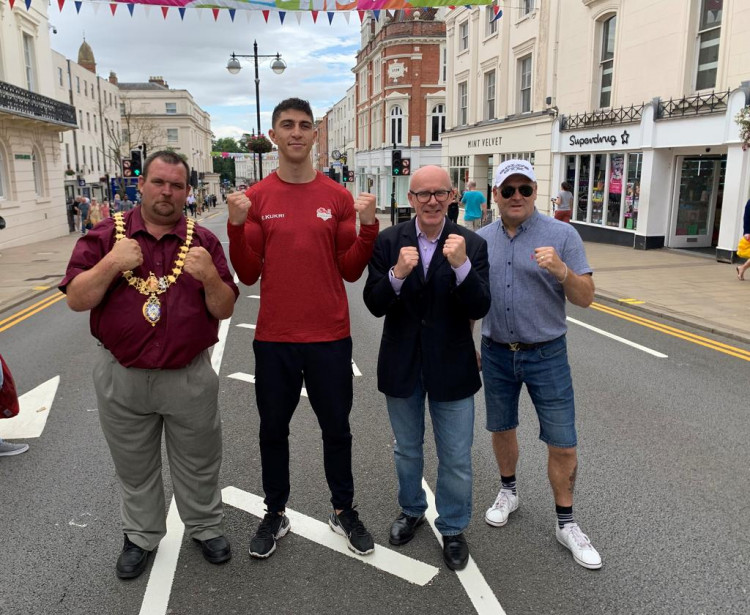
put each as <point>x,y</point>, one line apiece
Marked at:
<point>136,162</point>
<point>396,162</point>
<point>406,166</point>
<point>345,174</point>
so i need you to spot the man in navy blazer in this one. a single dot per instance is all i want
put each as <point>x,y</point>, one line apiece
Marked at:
<point>430,278</point>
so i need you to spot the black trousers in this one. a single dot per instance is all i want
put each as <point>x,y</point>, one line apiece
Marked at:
<point>326,368</point>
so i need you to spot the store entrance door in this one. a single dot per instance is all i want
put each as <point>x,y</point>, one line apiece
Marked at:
<point>698,184</point>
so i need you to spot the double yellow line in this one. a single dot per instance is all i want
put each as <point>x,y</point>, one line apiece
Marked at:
<point>684,335</point>
<point>30,311</point>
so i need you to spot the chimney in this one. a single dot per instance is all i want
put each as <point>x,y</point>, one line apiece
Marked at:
<point>113,77</point>
<point>158,81</point>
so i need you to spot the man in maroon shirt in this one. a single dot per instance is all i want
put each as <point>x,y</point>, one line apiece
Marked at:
<point>157,286</point>
<point>298,228</point>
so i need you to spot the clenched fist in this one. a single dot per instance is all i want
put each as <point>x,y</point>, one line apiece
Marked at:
<point>126,254</point>
<point>238,205</point>
<point>454,249</point>
<point>199,264</point>
<point>408,258</point>
<point>364,204</point>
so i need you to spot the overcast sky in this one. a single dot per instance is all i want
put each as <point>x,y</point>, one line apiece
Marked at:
<point>192,55</point>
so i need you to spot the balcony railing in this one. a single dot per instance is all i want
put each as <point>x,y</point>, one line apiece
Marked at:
<point>700,104</point>
<point>24,103</point>
<point>605,117</point>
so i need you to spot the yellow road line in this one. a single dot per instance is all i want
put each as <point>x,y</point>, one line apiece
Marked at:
<point>30,311</point>
<point>675,332</point>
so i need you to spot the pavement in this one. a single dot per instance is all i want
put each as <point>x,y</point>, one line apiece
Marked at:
<point>685,287</point>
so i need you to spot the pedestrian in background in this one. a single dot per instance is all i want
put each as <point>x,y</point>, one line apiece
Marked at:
<point>104,211</point>
<point>536,264</point>
<point>297,228</point>
<point>157,286</point>
<point>70,211</point>
<point>8,409</point>
<point>475,206</point>
<point>564,203</point>
<point>429,277</point>
<point>83,207</point>
<point>746,234</point>
<point>453,207</point>
<point>95,215</point>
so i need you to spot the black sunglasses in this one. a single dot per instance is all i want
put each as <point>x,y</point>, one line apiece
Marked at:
<point>525,190</point>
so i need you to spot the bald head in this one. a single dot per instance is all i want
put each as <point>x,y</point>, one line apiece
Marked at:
<point>429,174</point>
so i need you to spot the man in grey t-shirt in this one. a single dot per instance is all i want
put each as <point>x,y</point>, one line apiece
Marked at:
<point>536,263</point>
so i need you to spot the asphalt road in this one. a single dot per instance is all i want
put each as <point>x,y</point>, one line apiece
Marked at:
<point>662,490</point>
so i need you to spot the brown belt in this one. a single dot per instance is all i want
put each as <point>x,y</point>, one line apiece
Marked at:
<point>516,346</point>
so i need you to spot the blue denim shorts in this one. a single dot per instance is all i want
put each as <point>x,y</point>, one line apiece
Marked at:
<point>546,373</point>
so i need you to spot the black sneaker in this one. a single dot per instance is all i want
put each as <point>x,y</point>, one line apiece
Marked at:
<point>273,527</point>
<point>347,524</point>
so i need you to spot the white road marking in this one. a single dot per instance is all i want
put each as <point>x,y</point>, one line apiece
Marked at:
<point>244,325</point>
<point>253,296</point>
<point>159,588</point>
<point>217,354</point>
<point>383,558</point>
<point>355,369</point>
<point>618,338</point>
<point>479,592</point>
<point>251,379</point>
<point>35,406</point>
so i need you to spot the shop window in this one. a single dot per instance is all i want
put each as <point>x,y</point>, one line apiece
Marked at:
<point>633,190</point>
<point>614,191</point>
<point>597,189</point>
<point>582,189</point>
<point>709,32</point>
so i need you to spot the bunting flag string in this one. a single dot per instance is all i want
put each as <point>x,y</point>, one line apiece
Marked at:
<point>78,6</point>
<point>131,8</point>
<point>182,13</point>
<point>164,11</point>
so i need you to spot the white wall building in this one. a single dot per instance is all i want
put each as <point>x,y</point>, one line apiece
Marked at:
<point>341,135</point>
<point>91,152</point>
<point>32,200</point>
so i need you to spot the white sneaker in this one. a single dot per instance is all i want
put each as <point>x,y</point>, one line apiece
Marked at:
<point>497,514</point>
<point>572,538</point>
<point>6,448</point>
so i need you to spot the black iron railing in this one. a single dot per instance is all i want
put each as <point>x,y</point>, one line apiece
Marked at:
<point>28,104</point>
<point>604,117</point>
<point>700,104</point>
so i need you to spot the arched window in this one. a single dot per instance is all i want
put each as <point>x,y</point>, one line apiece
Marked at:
<point>437,122</point>
<point>397,125</point>
<point>36,170</point>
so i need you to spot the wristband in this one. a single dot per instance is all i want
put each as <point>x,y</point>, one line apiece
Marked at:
<point>565,277</point>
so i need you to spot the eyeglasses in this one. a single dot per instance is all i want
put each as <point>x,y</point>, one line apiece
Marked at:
<point>508,191</point>
<point>424,196</point>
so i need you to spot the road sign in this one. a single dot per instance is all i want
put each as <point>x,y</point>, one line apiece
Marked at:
<point>127,167</point>
<point>406,166</point>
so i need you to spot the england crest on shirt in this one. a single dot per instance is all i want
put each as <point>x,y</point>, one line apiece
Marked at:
<point>324,214</point>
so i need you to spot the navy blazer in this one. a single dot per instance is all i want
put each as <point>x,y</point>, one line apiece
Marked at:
<point>427,331</point>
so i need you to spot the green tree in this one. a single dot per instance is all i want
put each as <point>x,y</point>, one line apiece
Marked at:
<point>225,166</point>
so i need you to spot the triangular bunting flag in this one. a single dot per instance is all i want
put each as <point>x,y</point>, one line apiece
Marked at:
<point>407,11</point>
<point>265,15</point>
<point>346,16</point>
<point>314,16</point>
<point>164,11</point>
<point>28,4</point>
<point>131,7</point>
<point>11,2</point>
<point>248,14</point>
<point>376,15</point>
<point>182,12</point>
<point>297,15</point>
<point>361,16</point>
<point>216,13</point>
<point>282,14</point>
<point>231,14</point>
<point>330,17</point>
<point>146,10</point>
<point>95,7</point>
<point>498,14</point>
<point>78,6</point>
<point>60,3</point>
<point>113,8</point>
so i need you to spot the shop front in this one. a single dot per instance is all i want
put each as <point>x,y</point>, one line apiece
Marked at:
<point>656,176</point>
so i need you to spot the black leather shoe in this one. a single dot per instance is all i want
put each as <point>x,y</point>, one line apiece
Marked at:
<point>132,561</point>
<point>455,552</point>
<point>404,528</point>
<point>215,550</point>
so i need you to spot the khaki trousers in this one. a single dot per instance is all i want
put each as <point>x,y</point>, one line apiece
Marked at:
<point>135,405</point>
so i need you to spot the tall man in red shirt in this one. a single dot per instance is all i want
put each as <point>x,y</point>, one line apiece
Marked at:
<point>297,228</point>
<point>157,286</point>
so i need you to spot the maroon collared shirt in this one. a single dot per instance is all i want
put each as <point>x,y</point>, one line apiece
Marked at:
<point>186,327</point>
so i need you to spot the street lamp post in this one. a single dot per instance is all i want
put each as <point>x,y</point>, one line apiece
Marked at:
<point>278,66</point>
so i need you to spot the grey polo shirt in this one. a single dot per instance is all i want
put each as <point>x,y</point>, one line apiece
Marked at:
<point>528,303</point>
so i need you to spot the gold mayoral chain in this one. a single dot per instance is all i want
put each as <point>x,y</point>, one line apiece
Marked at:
<point>153,286</point>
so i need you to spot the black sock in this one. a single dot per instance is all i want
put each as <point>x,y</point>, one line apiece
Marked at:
<point>564,515</point>
<point>509,483</point>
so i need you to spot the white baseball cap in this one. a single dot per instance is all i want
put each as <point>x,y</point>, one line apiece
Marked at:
<point>513,167</point>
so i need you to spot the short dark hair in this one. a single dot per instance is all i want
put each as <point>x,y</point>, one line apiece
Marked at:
<point>296,104</point>
<point>169,158</point>
<point>567,187</point>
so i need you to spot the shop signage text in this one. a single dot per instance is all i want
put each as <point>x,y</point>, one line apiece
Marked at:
<point>486,142</point>
<point>600,138</point>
